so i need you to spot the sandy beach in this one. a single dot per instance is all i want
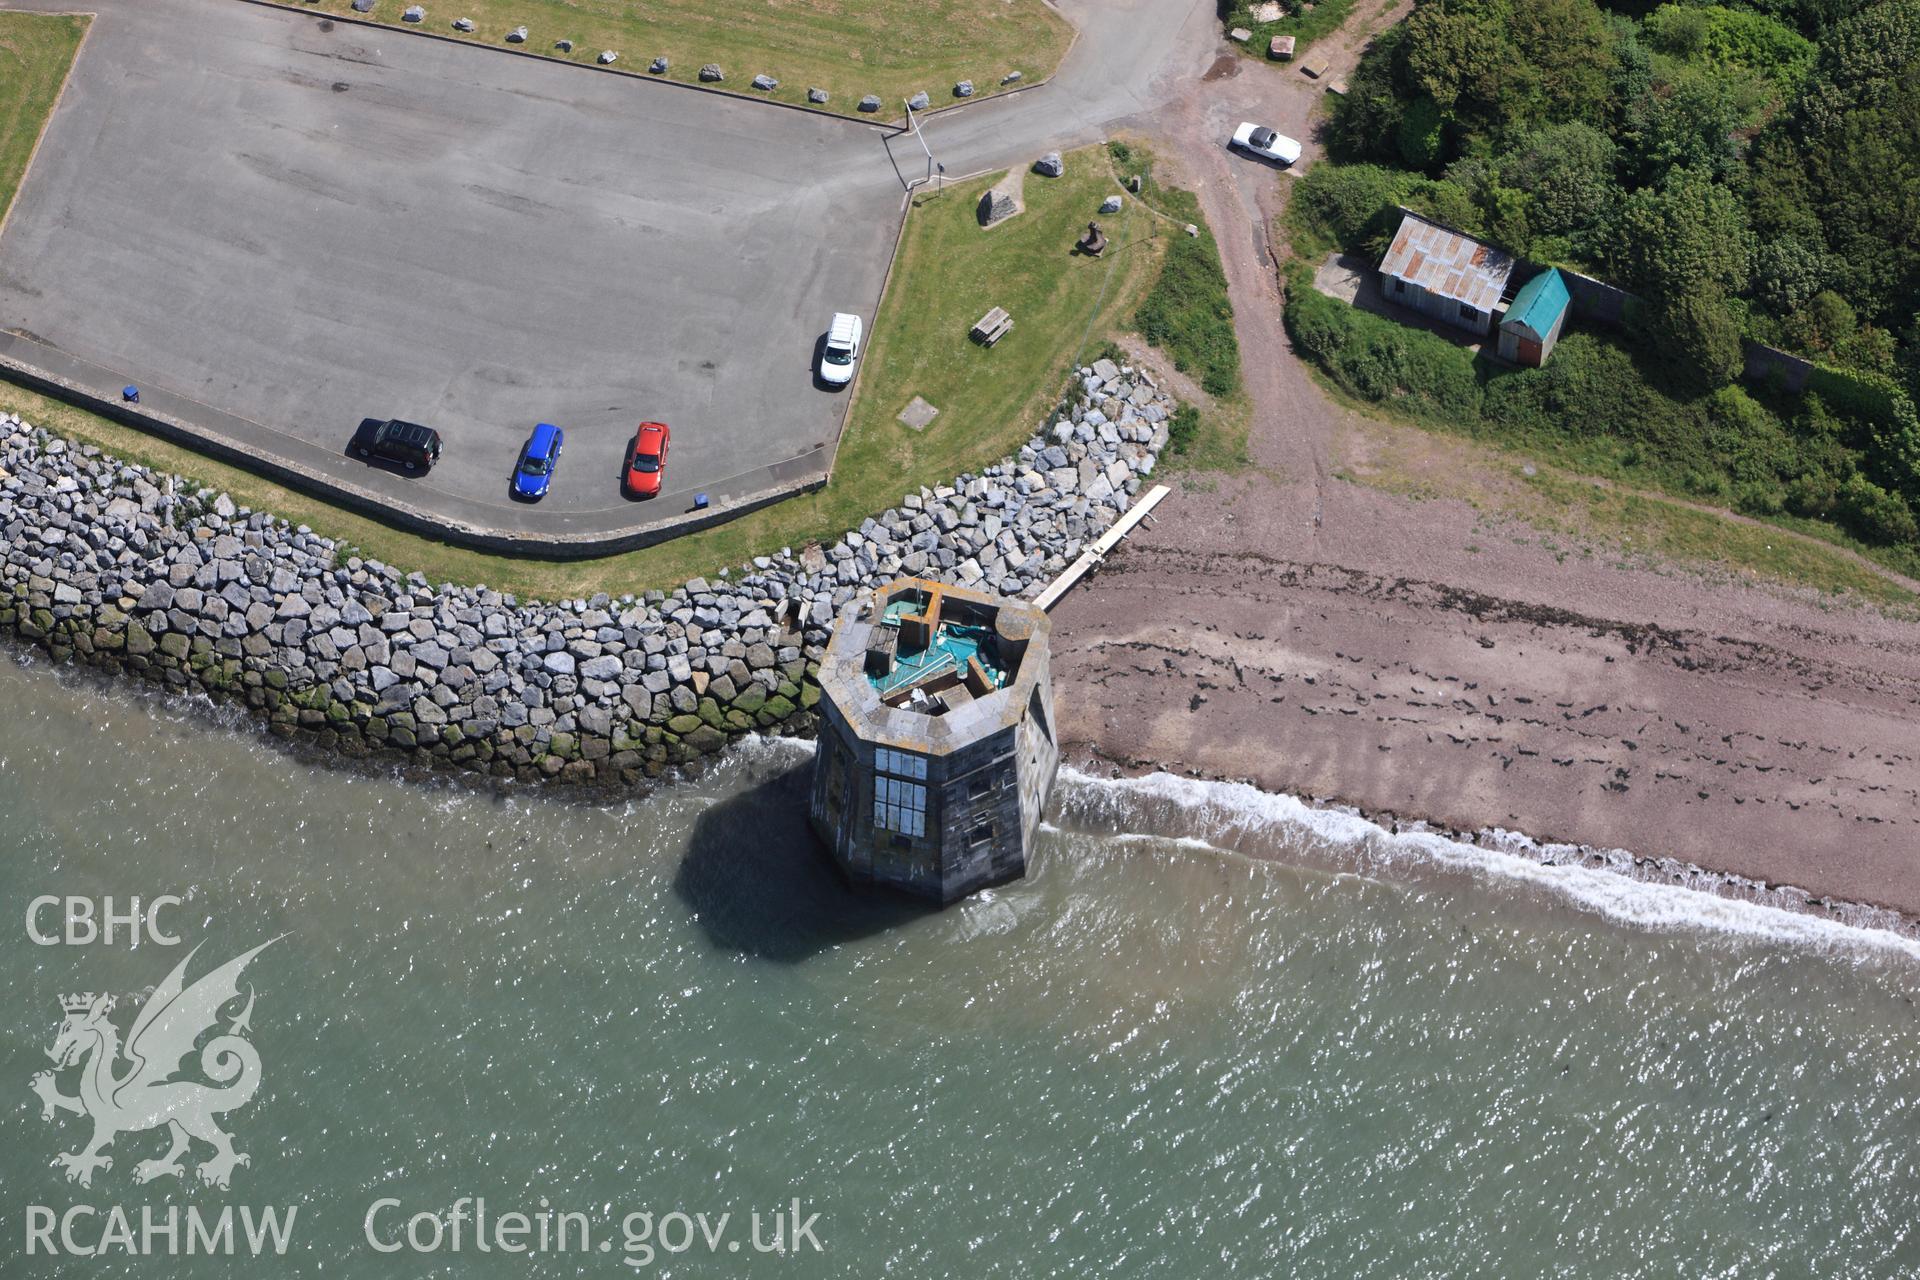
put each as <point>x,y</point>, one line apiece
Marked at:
<point>1721,725</point>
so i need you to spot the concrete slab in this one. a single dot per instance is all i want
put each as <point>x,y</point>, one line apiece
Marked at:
<point>298,223</point>
<point>918,414</point>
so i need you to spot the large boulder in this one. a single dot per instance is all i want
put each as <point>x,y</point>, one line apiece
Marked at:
<point>765,83</point>
<point>919,101</point>
<point>870,103</point>
<point>1050,165</point>
<point>711,73</point>
<point>1001,201</point>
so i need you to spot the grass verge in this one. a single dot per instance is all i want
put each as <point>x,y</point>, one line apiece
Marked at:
<point>1577,515</point>
<point>1670,530</point>
<point>36,49</point>
<point>948,273</point>
<point>1188,315</point>
<point>1305,22</point>
<point>893,48</point>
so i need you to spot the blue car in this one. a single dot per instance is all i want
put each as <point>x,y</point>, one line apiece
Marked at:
<point>537,460</point>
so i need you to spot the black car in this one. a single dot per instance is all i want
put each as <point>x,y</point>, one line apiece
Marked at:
<point>411,445</point>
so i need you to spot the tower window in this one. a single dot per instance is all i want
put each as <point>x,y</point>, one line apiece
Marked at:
<point>900,764</point>
<point>899,792</point>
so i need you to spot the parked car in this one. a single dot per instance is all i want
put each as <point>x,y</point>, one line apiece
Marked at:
<point>1257,139</point>
<point>841,349</point>
<point>647,460</point>
<point>533,474</point>
<point>412,446</point>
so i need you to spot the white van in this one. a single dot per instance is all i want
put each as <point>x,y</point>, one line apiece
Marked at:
<point>841,349</point>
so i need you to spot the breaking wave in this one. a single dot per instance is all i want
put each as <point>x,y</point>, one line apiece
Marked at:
<point>1241,819</point>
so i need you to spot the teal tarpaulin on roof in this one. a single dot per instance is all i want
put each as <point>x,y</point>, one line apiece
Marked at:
<point>1539,304</point>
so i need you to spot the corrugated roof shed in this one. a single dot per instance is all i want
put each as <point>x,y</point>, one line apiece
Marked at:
<point>1538,304</point>
<point>1447,263</point>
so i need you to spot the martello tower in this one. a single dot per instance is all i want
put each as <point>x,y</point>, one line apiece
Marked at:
<point>937,749</point>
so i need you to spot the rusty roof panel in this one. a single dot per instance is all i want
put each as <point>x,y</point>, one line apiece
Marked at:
<point>1446,263</point>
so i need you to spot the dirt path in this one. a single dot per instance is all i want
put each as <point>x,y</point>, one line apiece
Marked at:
<point>1292,431</point>
<point>1328,639</point>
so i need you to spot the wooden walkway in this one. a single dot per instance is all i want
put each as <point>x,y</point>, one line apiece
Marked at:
<point>1107,541</point>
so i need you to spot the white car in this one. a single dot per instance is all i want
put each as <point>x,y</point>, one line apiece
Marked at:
<point>842,348</point>
<point>1257,139</point>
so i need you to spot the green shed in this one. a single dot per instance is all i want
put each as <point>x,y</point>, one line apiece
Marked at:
<point>1534,319</point>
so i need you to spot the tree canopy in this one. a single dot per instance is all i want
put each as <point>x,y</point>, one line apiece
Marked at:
<point>1748,168</point>
<point>1600,138</point>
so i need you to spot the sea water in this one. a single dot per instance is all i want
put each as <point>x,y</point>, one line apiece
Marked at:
<point>1212,1033</point>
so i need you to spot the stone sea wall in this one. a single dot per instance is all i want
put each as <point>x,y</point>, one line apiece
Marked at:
<point>115,565</point>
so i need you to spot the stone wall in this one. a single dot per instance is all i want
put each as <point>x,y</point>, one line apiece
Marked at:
<point>1598,302</point>
<point>1594,301</point>
<point>115,565</point>
<point>1761,363</point>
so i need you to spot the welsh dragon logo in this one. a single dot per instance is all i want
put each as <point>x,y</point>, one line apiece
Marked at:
<point>146,1095</point>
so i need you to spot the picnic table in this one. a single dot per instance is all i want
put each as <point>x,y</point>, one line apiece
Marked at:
<point>992,327</point>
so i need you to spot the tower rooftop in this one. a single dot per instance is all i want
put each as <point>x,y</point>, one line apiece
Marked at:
<point>924,666</point>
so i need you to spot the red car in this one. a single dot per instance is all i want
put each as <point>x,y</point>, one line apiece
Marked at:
<point>647,460</point>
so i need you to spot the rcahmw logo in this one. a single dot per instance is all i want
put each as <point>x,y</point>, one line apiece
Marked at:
<point>130,1087</point>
